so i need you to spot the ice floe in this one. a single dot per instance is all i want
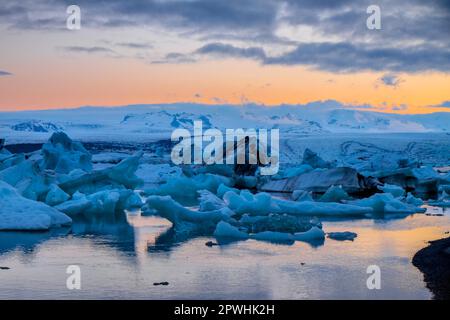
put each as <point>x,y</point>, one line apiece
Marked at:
<point>342,236</point>
<point>19,213</point>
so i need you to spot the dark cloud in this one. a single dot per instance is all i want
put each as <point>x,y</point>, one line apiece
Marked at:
<point>5,73</point>
<point>390,80</point>
<point>414,35</point>
<point>175,57</point>
<point>135,45</point>
<point>344,57</point>
<point>226,50</point>
<point>81,49</point>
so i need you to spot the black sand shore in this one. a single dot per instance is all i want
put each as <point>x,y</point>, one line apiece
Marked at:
<point>434,262</point>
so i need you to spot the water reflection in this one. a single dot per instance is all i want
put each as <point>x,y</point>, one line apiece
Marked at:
<point>27,241</point>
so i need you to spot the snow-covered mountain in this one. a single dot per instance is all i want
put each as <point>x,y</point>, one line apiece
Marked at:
<point>36,126</point>
<point>148,122</point>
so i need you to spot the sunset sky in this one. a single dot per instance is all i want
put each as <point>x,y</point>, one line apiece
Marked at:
<point>236,51</point>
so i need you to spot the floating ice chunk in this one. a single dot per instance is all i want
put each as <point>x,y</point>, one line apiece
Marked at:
<point>63,155</point>
<point>312,234</point>
<point>8,160</point>
<point>176,213</point>
<point>122,174</point>
<point>334,194</point>
<point>273,236</point>
<point>410,199</point>
<point>264,204</point>
<point>102,204</point>
<point>311,158</point>
<point>125,172</point>
<point>301,195</point>
<point>444,196</point>
<point>321,180</point>
<point>28,179</point>
<point>396,191</point>
<point>308,208</point>
<point>209,201</point>
<point>342,236</point>
<point>19,213</point>
<point>56,196</point>
<point>443,200</point>
<point>422,180</point>
<point>226,230</point>
<point>222,189</point>
<point>425,173</point>
<point>74,207</point>
<point>386,203</point>
<point>184,187</point>
<point>157,173</point>
<point>258,205</point>
<point>132,201</point>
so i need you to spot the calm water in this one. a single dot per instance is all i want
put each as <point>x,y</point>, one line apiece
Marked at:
<point>124,260</point>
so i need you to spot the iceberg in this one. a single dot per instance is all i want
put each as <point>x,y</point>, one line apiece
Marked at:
<point>313,234</point>
<point>184,187</point>
<point>321,180</point>
<point>56,196</point>
<point>28,179</point>
<point>157,173</point>
<point>222,189</point>
<point>421,180</point>
<point>227,231</point>
<point>263,204</point>
<point>396,191</point>
<point>209,201</point>
<point>443,200</point>
<point>386,203</point>
<point>74,207</point>
<point>334,194</point>
<point>102,204</point>
<point>120,175</point>
<point>19,213</point>
<point>410,199</point>
<point>301,195</point>
<point>168,208</point>
<point>258,205</point>
<point>62,155</point>
<point>8,159</point>
<point>308,208</point>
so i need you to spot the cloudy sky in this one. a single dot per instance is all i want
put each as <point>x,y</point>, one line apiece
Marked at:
<point>231,51</point>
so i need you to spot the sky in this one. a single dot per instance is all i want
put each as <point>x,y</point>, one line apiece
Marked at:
<point>267,52</point>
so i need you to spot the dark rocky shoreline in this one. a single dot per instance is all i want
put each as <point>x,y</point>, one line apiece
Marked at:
<point>434,262</point>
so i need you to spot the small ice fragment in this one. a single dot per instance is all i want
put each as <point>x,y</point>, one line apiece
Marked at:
<point>342,236</point>
<point>226,230</point>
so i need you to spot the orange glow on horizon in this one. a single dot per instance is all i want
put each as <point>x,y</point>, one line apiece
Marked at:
<point>103,81</point>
